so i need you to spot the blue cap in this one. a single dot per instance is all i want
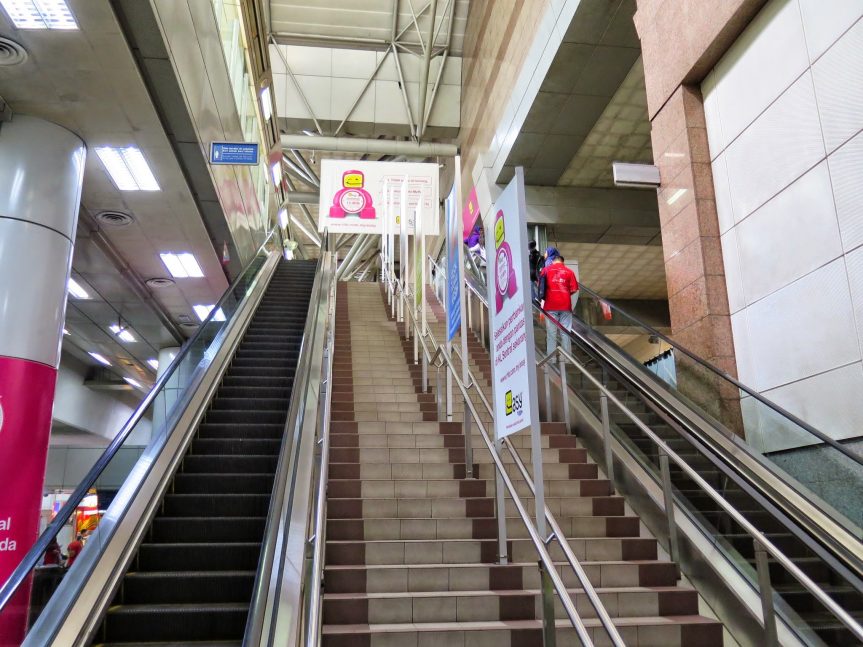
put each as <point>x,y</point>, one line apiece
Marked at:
<point>551,252</point>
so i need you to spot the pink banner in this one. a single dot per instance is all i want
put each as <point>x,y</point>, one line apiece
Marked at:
<point>26,401</point>
<point>470,214</point>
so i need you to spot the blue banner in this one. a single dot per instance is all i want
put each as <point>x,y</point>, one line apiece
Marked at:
<point>453,266</point>
<point>243,153</point>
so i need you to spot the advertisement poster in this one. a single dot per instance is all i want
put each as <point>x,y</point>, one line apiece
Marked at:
<point>453,266</point>
<point>509,298</point>
<point>470,214</point>
<point>353,195</point>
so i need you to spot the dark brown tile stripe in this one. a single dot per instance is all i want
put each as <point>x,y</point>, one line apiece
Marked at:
<point>506,578</point>
<point>353,611</point>
<point>517,606</point>
<point>346,580</point>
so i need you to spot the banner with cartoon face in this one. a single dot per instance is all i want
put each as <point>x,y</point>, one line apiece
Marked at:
<point>353,196</point>
<point>511,327</point>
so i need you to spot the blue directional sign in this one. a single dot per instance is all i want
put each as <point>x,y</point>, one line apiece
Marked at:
<point>244,153</point>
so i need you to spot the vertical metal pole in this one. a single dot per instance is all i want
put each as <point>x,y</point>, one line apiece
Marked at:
<point>765,588</point>
<point>547,379</point>
<point>425,382</point>
<point>468,443</point>
<point>549,637</point>
<point>481,327</point>
<point>416,349</point>
<point>500,508</point>
<point>449,377</point>
<point>669,508</point>
<point>469,310</point>
<point>564,391</point>
<point>439,395</point>
<point>606,438</point>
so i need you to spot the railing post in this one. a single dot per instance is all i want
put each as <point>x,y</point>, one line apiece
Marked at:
<point>606,438</point>
<point>439,396</point>
<point>469,310</point>
<point>481,327</point>
<point>468,443</point>
<point>665,471</point>
<point>564,391</point>
<point>425,382</point>
<point>765,588</point>
<point>547,380</point>
<point>500,508</point>
<point>549,637</point>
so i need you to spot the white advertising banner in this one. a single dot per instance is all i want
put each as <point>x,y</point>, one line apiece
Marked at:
<point>509,298</point>
<point>353,195</point>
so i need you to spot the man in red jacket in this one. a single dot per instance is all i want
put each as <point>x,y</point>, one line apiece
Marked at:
<point>560,285</point>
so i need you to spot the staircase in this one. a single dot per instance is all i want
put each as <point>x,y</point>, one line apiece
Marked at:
<point>411,554</point>
<point>192,577</point>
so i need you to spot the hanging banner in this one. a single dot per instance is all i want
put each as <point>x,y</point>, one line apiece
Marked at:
<point>470,214</point>
<point>453,266</point>
<point>509,301</point>
<point>353,194</point>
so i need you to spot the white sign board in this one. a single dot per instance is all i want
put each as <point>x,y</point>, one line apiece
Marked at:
<point>511,327</point>
<point>353,195</point>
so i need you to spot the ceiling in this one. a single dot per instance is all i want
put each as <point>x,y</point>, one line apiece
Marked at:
<point>619,271</point>
<point>367,23</point>
<point>87,81</point>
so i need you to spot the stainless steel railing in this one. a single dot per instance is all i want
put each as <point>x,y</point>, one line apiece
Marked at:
<point>549,570</point>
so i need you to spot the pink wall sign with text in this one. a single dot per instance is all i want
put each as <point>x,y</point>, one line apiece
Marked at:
<point>26,401</point>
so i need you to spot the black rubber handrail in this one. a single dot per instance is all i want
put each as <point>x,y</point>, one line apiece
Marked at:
<point>715,370</point>
<point>32,557</point>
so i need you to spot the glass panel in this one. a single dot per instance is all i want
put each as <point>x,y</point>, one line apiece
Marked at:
<point>79,531</point>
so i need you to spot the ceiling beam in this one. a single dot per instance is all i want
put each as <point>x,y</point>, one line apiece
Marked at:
<point>368,146</point>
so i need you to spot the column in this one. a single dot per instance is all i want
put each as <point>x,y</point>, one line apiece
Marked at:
<point>41,175</point>
<point>165,401</point>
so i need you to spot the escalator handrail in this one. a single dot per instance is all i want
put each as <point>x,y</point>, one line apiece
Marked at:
<point>32,557</point>
<point>820,435</point>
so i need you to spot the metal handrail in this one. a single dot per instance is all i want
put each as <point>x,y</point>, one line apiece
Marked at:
<point>313,623</point>
<point>538,542</point>
<point>254,632</point>
<point>756,534</point>
<point>32,557</point>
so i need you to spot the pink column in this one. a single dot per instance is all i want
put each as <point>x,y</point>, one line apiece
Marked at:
<point>41,174</point>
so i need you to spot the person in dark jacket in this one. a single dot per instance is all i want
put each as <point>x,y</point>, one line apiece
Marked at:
<point>533,258</point>
<point>560,285</point>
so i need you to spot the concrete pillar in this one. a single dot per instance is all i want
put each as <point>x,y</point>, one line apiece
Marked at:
<point>41,175</point>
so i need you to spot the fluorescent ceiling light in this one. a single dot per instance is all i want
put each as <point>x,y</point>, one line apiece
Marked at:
<point>154,363</point>
<point>40,14</point>
<point>76,290</point>
<point>276,170</point>
<point>677,195</point>
<point>122,333</point>
<point>132,382</point>
<point>283,218</point>
<point>309,133</point>
<point>266,103</point>
<point>183,265</point>
<point>65,332</point>
<point>100,358</point>
<point>204,311</point>
<point>127,168</point>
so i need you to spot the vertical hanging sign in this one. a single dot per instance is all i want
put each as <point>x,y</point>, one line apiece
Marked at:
<point>453,265</point>
<point>509,304</point>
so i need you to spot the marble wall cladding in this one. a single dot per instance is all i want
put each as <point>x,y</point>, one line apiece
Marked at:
<point>784,117</point>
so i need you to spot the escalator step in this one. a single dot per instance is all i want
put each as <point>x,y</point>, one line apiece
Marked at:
<point>227,430</point>
<point>238,446</point>
<point>215,505</point>
<point>230,464</point>
<point>199,557</point>
<point>188,587</point>
<point>223,483</point>
<point>176,623</point>
<point>202,529</point>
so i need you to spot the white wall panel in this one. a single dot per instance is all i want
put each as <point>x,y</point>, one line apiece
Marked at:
<point>731,262</point>
<point>824,23</point>
<point>804,329</point>
<point>822,401</point>
<point>800,225</point>
<point>776,149</point>
<point>389,104</point>
<point>854,267</point>
<point>310,61</point>
<point>764,61</point>
<point>715,136</point>
<point>359,65</point>
<point>344,93</point>
<point>845,171</point>
<point>742,347</point>
<point>839,86</point>
<point>722,193</point>
<point>318,92</point>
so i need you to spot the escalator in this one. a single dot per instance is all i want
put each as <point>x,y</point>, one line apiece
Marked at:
<point>193,575</point>
<point>706,417</point>
<point>185,551</point>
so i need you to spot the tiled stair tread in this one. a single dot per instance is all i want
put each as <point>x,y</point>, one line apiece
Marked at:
<point>488,625</point>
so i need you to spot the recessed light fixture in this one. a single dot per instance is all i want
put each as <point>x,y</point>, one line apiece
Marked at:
<point>154,363</point>
<point>283,218</point>
<point>183,265</point>
<point>204,311</point>
<point>123,333</point>
<point>132,382</point>
<point>76,290</point>
<point>100,358</point>
<point>40,14</point>
<point>127,168</point>
<point>266,103</point>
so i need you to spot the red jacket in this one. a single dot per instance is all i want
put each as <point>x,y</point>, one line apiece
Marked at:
<point>560,283</point>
